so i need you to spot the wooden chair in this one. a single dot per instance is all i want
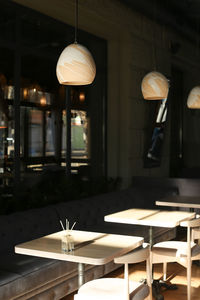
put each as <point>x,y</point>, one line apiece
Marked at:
<point>119,288</point>
<point>179,251</point>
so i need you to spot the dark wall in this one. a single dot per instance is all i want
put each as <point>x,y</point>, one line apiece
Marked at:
<point>186,186</point>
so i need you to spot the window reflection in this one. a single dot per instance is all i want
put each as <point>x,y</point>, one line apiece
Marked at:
<point>35,133</point>
<point>50,133</point>
<point>10,138</point>
<point>79,134</point>
<point>6,134</point>
<point>29,56</point>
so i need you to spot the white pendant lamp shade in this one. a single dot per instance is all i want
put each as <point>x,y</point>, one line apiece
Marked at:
<point>75,66</point>
<point>193,100</point>
<point>155,86</point>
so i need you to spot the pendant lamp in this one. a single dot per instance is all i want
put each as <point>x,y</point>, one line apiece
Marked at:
<point>193,100</point>
<point>155,86</point>
<point>75,65</point>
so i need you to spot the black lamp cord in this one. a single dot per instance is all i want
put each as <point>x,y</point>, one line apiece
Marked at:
<point>154,35</point>
<point>197,29</point>
<point>76,21</point>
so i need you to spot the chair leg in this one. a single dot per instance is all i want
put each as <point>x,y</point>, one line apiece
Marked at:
<point>164,271</point>
<point>189,281</point>
<point>150,295</point>
<point>126,278</point>
<point>149,277</point>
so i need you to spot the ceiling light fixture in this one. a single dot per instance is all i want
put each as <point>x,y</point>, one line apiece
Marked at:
<point>75,65</point>
<point>193,100</point>
<point>155,85</point>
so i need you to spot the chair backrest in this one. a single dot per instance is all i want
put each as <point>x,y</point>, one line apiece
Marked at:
<point>138,255</point>
<point>191,223</point>
<point>193,229</point>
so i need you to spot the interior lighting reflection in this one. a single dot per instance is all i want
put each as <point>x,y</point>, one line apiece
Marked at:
<point>82,96</point>
<point>43,101</point>
<point>25,93</point>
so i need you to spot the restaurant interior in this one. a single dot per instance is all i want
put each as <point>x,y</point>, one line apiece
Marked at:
<point>99,114</point>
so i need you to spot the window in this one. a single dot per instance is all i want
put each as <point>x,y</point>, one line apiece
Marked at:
<point>30,46</point>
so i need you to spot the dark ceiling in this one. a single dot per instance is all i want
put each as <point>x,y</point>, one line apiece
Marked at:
<point>181,15</point>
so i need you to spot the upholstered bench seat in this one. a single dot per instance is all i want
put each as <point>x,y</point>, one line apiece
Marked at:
<point>25,274</point>
<point>27,277</point>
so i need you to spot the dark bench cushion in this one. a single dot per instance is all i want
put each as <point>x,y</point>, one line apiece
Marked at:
<point>21,274</point>
<point>26,225</point>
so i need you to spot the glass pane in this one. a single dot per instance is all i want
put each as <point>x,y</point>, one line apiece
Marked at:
<point>50,133</point>
<point>10,137</point>
<point>6,147</point>
<point>44,34</point>
<point>7,22</point>
<point>6,117</point>
<point>64,133</point>
<point>3,142</point>
<point>35,133</point>
<point>22,129</point>
<point>79,134</point>
<point>38,86</point>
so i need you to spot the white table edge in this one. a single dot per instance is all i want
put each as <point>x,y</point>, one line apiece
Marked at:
<point>76,259</point>
<point>147,223</point>
<point>177,204</point>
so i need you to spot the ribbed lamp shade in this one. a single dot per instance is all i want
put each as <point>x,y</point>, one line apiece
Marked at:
<point>75,66</point>
<point>155,86</point>
<point>193,100</point>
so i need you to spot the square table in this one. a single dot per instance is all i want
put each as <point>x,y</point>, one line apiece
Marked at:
<point>89,248</point>
<point>190,202</point>
<point>150,217</point>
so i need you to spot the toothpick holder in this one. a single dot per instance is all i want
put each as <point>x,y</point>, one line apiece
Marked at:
<point>67,241</point>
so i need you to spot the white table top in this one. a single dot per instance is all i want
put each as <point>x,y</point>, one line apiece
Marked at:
<point>90,247</point>
<point>180,201</point>
<point>150,217</point>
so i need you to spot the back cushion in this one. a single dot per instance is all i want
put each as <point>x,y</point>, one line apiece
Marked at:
<point>23,226</point>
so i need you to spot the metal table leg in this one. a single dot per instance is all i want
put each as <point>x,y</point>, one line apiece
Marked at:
<point>81,276</point>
